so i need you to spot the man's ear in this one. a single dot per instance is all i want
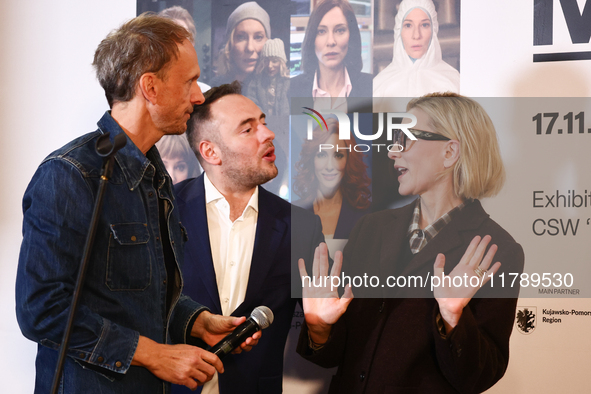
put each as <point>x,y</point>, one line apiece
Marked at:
<point>149,86</point>
<point>452,153</point>
<point>210,153</point>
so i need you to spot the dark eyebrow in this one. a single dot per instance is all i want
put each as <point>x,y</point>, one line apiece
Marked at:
<point>248,120</point>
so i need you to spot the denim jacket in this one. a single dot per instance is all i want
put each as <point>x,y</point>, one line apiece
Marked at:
<point>124,294</point>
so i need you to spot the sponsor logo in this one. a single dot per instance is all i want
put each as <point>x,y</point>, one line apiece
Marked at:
<point>525,319</point>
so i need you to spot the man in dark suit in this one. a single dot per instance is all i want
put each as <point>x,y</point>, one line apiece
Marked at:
<point>240,250</point>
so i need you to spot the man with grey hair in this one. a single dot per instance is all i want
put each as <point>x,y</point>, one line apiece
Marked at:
<point>131,305</point>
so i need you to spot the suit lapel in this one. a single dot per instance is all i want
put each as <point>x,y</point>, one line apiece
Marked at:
<point>198,250</point>
<point>269,234</point>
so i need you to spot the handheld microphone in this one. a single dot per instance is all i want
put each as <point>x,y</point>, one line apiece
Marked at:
<point>260,318</point>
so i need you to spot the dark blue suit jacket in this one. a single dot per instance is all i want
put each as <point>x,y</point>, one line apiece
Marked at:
<point>273,262</point>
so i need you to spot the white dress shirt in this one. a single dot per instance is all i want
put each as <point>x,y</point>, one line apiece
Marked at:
<point>323,100</point>
<point>232,244</point>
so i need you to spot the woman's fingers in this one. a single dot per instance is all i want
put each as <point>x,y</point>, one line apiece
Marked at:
<point>495,268</point>
<point>477,256</point>
<point>490,273</point>
<point>486,262</point>
<point>320,264</point>
<point>467,257</point>
<point>323,256</point>
<point>439,265</point>
<point>315,263</point>
<point>302,268</point>
<point>348,294</point>
<point>337,265</point>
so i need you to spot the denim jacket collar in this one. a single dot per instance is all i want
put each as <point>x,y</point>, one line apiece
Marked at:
<point>132,161</point>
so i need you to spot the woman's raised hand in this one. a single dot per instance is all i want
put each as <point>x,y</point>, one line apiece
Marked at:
<point>474,272</point>
<point>321,302</point>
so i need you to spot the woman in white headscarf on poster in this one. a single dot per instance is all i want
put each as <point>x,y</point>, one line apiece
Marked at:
<point>417,67</point>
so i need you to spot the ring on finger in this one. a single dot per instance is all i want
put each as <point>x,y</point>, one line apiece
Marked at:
<point>479,272</point>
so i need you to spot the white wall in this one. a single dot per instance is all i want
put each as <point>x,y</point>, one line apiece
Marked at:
<point>49,96</point>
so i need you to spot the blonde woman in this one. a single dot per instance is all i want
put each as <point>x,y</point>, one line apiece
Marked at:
<point>247,30</point>
<point>446,340</point>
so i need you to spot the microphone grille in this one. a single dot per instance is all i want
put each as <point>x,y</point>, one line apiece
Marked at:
<point>263,316</point>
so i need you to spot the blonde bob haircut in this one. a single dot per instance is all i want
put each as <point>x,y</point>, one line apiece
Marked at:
<point>479,171</point>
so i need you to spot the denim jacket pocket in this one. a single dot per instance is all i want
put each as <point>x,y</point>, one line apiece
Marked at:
<point>129,262</point>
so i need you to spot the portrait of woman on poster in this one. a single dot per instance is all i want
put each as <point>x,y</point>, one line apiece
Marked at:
<point>182,17</point>
<point>178,158</point>
<point>333,183</point>
<point>247,29</point>
<point>446,340</point>
<point>269,85</point>
<point>417,66</point>
<point>331,58</point>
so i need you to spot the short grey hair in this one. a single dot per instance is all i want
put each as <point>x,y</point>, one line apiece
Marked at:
<point>145,44</point>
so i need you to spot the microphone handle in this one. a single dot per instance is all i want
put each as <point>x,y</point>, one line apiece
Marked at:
<point>233,340</point>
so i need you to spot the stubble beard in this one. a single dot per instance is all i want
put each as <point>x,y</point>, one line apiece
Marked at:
<point>249,177</point>
<point>243,175</point>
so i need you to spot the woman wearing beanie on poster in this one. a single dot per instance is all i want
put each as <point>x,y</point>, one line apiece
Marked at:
<point>410,336</point>
<point>247,30</point>
<point>269,85</point>
<point>417,66</point>
<point>331,57</point>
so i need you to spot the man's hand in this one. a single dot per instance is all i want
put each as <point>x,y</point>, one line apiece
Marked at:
<point>213,328</point>
<point>322,305</point>
<point>186,365</point>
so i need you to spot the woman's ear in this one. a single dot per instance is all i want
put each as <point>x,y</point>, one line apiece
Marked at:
<point>210,153</point>
<point>452,153</point>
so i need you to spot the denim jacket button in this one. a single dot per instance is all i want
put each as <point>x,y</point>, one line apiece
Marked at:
<point>133,238</point>
<point>118,364</point>
<point>100,359</point>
